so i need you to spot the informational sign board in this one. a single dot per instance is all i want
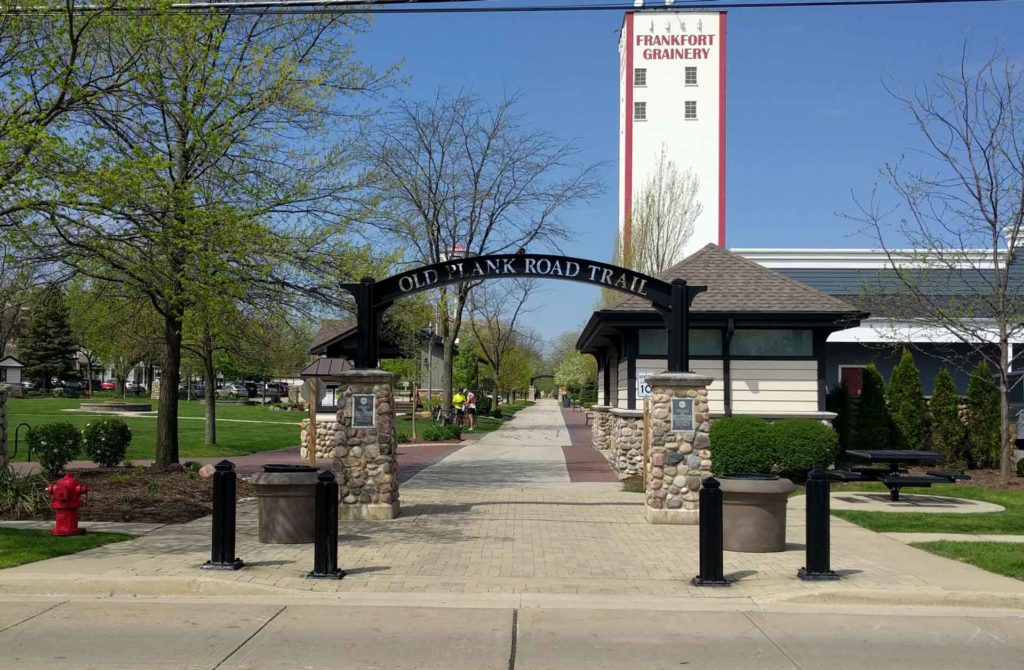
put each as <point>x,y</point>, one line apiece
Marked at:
<point>643,389</point>
<point>682,415</point>
<point>363,409</point>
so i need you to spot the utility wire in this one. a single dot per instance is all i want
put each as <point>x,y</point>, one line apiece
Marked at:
<point>419,7</point>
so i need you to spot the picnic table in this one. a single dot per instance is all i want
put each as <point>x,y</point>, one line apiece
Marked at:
<point>895,476</point>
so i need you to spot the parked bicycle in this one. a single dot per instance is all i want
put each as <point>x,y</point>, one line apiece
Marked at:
<point>444,417</point>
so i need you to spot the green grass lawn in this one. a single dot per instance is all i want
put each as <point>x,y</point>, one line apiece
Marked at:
<point>1010,522</point>
<point>240,429</point>
<point>25,546</point>
<point>484,424</point>
<point>1004,558</point>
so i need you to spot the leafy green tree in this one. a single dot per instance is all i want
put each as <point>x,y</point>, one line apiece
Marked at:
<point>874,424</point>
<point>222,165</point>
<point>466,366</point>
<point>576,371</point>
<point>949,434</point>
<point>983,422</point>
<point>906,403</point>
<point>47,346</point>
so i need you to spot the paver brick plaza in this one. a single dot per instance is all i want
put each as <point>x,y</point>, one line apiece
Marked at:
<point>501,516</point>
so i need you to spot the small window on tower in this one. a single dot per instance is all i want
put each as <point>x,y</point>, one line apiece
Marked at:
<point>690,110</point>
<point>639,111</point>
<point>691,75</point>
<point>640,77</point>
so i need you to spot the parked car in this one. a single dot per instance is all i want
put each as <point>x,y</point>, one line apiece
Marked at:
<point>28,385</point>
<point>235,389</point>
<point>278,389</point>
<point>192,391</point>
<point>134,387</point>
<point>108,385</point>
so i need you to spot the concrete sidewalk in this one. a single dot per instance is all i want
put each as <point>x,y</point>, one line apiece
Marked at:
<point>238,634</point>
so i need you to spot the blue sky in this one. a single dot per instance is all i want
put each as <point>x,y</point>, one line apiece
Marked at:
<point>808,119</point>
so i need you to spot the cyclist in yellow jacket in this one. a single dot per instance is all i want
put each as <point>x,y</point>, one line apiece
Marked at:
<point>459,403</point>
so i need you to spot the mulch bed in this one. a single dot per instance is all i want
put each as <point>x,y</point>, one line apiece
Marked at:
<point>146,495</point>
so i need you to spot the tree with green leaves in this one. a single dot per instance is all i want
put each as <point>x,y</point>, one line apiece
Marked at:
<point>983,421</point>
<point>906,403</point>
<point>466,366</point>
<point>48,347</point>
<point>874,424</point>
<point>222,165</point>
<point>949,434</point>
<point>576,371</point>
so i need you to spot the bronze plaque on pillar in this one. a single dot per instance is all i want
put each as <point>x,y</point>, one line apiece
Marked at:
<point>682,415</point>
<point>363,408</point>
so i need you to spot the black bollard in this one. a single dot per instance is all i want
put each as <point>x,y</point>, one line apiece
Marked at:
<point>222,552</point>
<point>711,570</point>
<point>325,538</point>
<point>817,529</point>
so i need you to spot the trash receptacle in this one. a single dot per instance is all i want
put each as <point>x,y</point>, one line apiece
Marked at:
<point>285,496</point>
<point>566,401</point>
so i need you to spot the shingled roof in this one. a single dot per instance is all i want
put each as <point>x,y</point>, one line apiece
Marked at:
<point>330,330</point>
<point>736,284</point>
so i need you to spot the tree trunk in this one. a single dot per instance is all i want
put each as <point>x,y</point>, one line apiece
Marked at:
<point>211,400</point>
<point>1008,434</point>
<point>167,413</point>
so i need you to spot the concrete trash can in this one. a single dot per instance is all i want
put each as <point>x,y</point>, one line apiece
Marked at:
<point>285,494</point>
<point>754,512</point>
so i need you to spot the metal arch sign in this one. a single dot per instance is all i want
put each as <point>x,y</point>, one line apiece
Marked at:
<point>503,266</point>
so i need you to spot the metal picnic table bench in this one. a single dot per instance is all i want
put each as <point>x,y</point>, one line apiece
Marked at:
<point>895,477</point>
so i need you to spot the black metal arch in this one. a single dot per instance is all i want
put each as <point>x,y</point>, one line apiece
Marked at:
<point>536,377</point>
<point>671,300</point>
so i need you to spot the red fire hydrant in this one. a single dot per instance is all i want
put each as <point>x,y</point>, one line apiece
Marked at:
<point>68,495</point>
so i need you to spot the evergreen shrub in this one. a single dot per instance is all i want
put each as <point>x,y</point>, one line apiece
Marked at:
<point>435,433</point>
<point>949,434</point>
<point>906,404</point>
<point>107,440</point>
<point>983,418</point>
<point>799,445</point>
<point>483,406</point>
<point>739,445</point>
<point>873,424</point>
<point>55,445</point>
<point>838,401</point>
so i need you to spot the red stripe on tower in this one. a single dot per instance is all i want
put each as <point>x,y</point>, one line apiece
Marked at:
<point>627,181</point>
<point>721,131</point>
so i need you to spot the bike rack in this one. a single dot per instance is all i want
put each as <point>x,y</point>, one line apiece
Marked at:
<point>16,433</point>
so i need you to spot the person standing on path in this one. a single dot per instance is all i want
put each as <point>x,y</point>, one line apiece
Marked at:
<point>458,402</point>
<point>471,409</point>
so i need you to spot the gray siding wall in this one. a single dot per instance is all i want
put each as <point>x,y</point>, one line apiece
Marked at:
<point>959,359</point>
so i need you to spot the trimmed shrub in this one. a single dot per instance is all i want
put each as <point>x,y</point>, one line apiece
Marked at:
<point>106,441</point>
<point>21,495</point>
<point>434,433</point>
<point>1020,468</point>
<point>55,445</point>
<point>949,434</point>
<point>798,445</point>
<point>739,445</point>
<point>873,423</point>
<point>838,401</point>
<point>983,418</point>
<point>906,403</point>
<point>497,414</point>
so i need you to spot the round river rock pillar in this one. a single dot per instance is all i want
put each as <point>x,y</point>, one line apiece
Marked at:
<point>365,461</point>
<point>679,461</point>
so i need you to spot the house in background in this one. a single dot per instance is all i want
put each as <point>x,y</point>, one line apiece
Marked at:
<point>10,370</point>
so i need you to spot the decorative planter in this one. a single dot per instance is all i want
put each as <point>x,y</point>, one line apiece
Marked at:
<point>285,494</point>
<point>754,512</point>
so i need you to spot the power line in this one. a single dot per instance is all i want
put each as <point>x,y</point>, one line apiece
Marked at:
<point>419,7</point>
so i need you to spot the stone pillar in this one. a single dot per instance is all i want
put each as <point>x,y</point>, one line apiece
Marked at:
<point>154,390</point>
<point>364,458</point>
<point>679,462</point>
<point>600,435</point>
<point>326,437</point>
<point>627,441</point>
<point>531,393</point>
<point>4,458</point>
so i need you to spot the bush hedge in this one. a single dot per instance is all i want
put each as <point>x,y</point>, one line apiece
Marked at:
<point>949,434</point>
<point>790,447</point>
<point>434,433</point>
<point>739,444</point>
<point>799,445</point>
<point>906,403</point>
<point>983,421</point>
<point>55,445</point>
<point>21,495</point>
<point>106,441</point>
<point>873,422</point>
<point>483,406</point>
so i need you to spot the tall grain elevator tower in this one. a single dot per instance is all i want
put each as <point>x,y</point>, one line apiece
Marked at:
<point>672,98</point>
